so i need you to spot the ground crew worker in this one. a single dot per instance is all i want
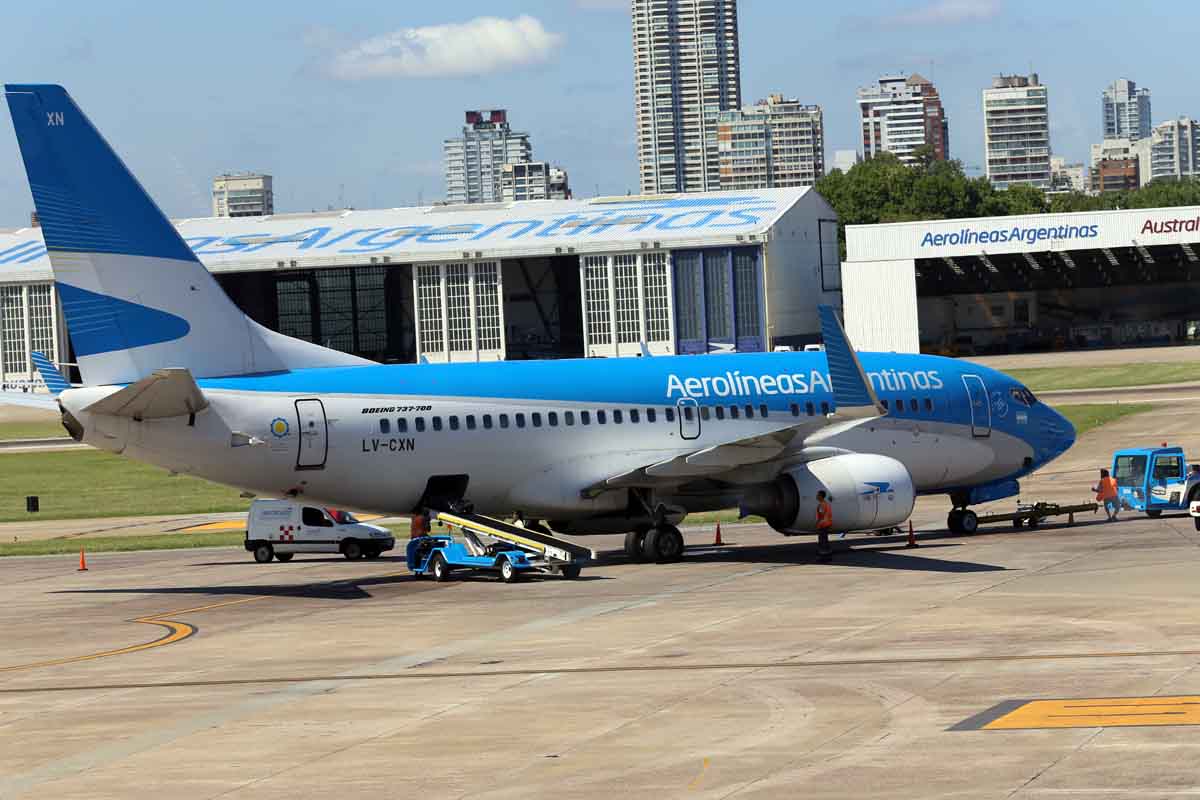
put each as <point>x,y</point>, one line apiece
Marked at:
<point>418,525</point>
<point>824,526</point>
<point>1106,493</point>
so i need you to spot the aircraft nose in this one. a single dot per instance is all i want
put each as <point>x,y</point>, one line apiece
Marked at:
<point>1057,435</point>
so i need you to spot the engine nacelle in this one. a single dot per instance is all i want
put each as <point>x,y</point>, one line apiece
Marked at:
<point>865,491</point>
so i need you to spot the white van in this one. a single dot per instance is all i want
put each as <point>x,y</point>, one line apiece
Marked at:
<point>281,528</point>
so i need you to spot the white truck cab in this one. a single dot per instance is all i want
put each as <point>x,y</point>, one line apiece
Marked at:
<point>281,528</point>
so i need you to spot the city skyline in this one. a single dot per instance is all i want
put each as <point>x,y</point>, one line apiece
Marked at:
<point>342,99</point>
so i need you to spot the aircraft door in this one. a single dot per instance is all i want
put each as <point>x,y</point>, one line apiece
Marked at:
<point>314,435</point>
<point>981,409</point>
<point>689,418</point>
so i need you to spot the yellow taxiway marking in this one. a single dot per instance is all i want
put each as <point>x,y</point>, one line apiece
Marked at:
<point>176,632</point>
<point>240,524</point>
<point>1101,712</point>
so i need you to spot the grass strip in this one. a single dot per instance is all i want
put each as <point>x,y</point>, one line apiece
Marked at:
<point>1047,379</point>
<point>112,544</point>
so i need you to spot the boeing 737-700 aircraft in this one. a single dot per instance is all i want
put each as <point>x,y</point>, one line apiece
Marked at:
<point>175,375</point>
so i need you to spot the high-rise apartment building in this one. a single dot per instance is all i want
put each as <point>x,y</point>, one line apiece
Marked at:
<point>686,72</point>
<point>778,142</point>
<point>474,161</point>
<point>1171,151</point>
<point>535,180</point>
<point>1066,177</point>
<point>1126,110</point>
<point>243,194</point>
<point>1016,132</point>
<point>901,113</point>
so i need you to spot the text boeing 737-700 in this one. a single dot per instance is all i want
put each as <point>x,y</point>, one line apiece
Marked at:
<point>175,375</point>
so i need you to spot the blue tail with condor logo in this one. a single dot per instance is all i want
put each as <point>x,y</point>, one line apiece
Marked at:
<point>136,298</point>
<point>56,384</point>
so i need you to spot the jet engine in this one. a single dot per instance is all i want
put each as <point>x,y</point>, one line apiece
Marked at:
<point>866,492</point>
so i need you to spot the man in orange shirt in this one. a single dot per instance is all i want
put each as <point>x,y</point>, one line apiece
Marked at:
<point>1106,493</point>
<point>824,526</point>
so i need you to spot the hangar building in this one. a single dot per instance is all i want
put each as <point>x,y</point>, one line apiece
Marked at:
<point>694,273</point>
<point>1036,282</point>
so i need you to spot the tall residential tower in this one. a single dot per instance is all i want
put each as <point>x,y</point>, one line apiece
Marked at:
<point>900,114</point>
<point>1126,110</point>
<point>1016,132</point>
<point>475,160</point>
<point>686,72</point>
<point>778,142</point>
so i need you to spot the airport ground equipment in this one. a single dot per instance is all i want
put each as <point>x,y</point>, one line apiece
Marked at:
<point>1154,480</point>
<point>279,529</point>
<point>1032,515</point>
<point>542,550</point>
<point>440,555</point>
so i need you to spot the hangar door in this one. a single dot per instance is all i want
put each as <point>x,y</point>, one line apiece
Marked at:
<point>626,301</point>
<point>718,300</point>
<point>459,313</point>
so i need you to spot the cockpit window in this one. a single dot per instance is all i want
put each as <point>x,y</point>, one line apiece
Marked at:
<point>1023,396</point>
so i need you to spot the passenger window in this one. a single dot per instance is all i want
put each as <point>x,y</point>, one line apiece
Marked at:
<point>824,407</point>
<point>552,418</point>
<point>808,409</point>
<point>537,419</point>
<point>689,413</point>
<point>520,420</point>
<point>720,412</point>
<point>734,413</point>
<point>651,415</point>
<point>569,417</point>
<point>470,422</point>
<point>670,414</point>
<point>618,416</point>
<point>601,417</point>
<point>763,411</point>
<point>314,517</point>
<point>704,413</point>
<point>420,424</point>
<point>899,403</point>
<point>912,404</point>
<point>633,416</point>
<point>929,405</point>
<point>504,420</point>
<point>453,423</point>
<point>487,422</point>
<point>795,409</point>
<point>437,423</point>
<point>385,426</point>
<point>749,411</point>
<point>401,426</point>
<point>585,418</point>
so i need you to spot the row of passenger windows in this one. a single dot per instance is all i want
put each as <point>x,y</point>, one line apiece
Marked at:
<point>538,419</point>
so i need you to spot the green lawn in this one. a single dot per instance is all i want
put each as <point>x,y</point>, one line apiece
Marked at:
<point>1046,379</point>
<point>109,544</point>
<point>31,430</point>
<point>1089,416</point>
<point>74,484</point>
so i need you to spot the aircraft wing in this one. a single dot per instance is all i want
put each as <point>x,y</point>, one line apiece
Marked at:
<point>163,393</point>
<point>854,399</point>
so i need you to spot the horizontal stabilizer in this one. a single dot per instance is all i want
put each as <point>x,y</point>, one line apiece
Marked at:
<point>166,393</point>
<point>852,390</point>
<point>54,380</point>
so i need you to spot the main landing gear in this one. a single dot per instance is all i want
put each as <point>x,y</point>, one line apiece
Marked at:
<point>662,543</point>
<point>962,520</point>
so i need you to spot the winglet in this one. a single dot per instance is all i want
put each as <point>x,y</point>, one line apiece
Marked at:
<point>852,390</point>
<point>53,379</point>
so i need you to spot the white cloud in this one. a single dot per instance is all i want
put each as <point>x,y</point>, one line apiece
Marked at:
<point>947,12</point>
<point>476,47</point>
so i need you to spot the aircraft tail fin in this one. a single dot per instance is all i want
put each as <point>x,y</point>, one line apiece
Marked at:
<point>852,390</point>
<point>135,297</point>
<point>54,380</point>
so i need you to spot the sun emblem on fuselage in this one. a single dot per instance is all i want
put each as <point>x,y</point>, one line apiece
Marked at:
<point>279,427</point>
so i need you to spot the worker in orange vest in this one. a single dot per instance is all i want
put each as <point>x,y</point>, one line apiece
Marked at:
<point>418,525</point>
<point>824,526</point>
<point>1106,493</point>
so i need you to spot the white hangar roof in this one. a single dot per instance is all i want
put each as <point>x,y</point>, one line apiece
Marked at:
<point>442,233</point>
<point>1090,230</point>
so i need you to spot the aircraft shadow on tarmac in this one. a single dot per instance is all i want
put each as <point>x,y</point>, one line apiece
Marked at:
<point>866,554</point>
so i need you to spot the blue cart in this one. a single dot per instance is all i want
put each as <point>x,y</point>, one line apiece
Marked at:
<point>1154,479</point>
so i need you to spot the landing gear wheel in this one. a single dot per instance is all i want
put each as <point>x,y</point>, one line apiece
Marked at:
<point>284,557</point>
<point>968,521</point>
<point>634,541</point>
<point>508,573</point>
<point>264,553</point>
<point>663,545</point>
<point>571,571</point>
<point>352,550</point>
<point>441,570</point>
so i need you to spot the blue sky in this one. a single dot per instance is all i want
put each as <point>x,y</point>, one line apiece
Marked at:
<point>352,99</point>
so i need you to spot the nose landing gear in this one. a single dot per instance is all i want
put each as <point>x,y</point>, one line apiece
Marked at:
<point>962,520</point>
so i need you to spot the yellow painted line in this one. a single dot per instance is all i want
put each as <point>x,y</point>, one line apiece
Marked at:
<point>176,632</point>
<point>695,784</point>
<point>1101,712</point>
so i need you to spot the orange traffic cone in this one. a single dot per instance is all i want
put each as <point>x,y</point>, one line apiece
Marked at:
<point>717,540</point>
<point>912,538</point>
<point>82,562</point>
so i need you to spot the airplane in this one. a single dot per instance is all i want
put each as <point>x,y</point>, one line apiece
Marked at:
<point>174,374</point>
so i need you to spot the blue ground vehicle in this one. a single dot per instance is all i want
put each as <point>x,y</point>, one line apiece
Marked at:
<point>440,555</point>
<point>1155,479</point>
